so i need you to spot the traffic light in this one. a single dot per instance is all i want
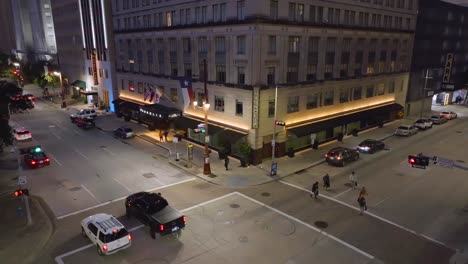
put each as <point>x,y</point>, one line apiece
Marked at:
<point>21,192</point>
<point>418,161</point>
<point>280,123</point>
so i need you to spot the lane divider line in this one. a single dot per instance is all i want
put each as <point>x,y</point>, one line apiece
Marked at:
<point>374,216</point>
<point>55,160</point>
<point>128,189</point>
<point>84,187</point>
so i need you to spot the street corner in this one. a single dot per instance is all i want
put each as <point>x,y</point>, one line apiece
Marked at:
<point>24,242</point>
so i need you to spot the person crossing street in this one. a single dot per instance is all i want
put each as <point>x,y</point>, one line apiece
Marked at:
<point>315,189</point>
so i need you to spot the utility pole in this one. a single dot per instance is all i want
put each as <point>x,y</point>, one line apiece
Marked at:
<point>206,106</point>
<point>25,197</point>
<point>424,93</point>
<point>274,165</point>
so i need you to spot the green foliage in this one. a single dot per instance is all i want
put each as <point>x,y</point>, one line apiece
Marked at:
<point>245,149</point>
<point>45,79</point>
<point>6,133</point>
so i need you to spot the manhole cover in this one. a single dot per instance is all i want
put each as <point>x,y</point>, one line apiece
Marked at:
<point>75,189</point>
<point>266,194</point>
<point>234,205</point>
<point>321,224</point>
<point>243,239</point>
<point>459,132</point>
<point>460,161</point>
<point>102,146</point>
<point>149,175</point>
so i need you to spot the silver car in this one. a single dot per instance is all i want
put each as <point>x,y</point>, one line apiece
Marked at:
<point>423,124</point>
<point>406,130</point>
<point>437,120</point>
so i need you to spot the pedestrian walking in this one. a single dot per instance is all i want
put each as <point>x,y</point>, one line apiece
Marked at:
<point>362,204</point>
<point>226,162</point>
<point>353,179</point>
<point>165,134</point>
<point>363,192</point>
<point>326,181</point>
<point>315,189</point>
<point>161,136</point>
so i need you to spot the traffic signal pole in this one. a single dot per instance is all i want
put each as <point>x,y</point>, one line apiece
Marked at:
<point>273,142</point>
<point>25,197</point>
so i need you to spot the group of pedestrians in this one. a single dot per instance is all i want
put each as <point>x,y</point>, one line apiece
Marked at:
<point>163,135</point>
<point>354,184</point>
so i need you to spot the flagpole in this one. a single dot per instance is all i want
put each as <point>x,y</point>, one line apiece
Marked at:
<point>206,105</point>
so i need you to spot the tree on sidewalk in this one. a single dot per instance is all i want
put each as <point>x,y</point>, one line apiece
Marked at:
<point>6,134</point>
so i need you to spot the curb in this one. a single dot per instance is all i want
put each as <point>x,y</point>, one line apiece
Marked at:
<point>155,143</point>
<point>44,210</point>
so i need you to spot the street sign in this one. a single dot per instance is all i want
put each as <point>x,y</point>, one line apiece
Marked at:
<point>22,180</point>
<point>207,139</point>
<point>274,167</point>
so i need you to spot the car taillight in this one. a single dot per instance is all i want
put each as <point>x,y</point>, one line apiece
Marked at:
<point>104,247</point>
<point>338,158</point>
<point>161,228</point>
<point>33,162</point>
<point>47,160</point>
<point>326,155</point>
<point>184,218</point>
<point>30,134</point>
<point>130,237</point>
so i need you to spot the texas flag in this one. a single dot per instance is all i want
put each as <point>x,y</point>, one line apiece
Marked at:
<point>152,94</point>
<point>187,91</point>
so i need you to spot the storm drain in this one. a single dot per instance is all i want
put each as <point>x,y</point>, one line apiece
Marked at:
<point>149,175</point>
<point>266,194</point>
<point>74,189</point>
<point>243,239</point>
<point>234,205</point>
<point>321,224</point>
<point>459,132</point>
<point>460,161</point>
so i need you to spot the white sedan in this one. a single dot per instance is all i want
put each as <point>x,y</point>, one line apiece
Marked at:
<point>406,130</point>
<point>448,114</point>
<point>22,135</point>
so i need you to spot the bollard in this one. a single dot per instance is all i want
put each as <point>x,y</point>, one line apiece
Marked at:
<point>177,156</point>
<point>20,212</point>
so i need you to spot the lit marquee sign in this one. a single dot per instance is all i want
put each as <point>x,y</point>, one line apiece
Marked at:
<point>94,67</point>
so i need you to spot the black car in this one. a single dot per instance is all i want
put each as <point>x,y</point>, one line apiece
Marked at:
<point>154,211</point>
<point>370,146</point>
<point>340,156</point>
<point>36,160</point>
<point>124,132</point>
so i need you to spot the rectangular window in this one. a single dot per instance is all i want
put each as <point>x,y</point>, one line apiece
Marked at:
<point>293,46</point>
<point>188,69</point>
<point>202,44</point>
<point>174,69</point>
<point>222,12</point>
<point>131,86</point>
<point>122,86</point>
<point>182,16</point>
<point>320,14</point>
<point>174,95</point>
<point>241,10</point>
<point>346,17</point>
<point>187,16</point>
<point>293,104</point>
<point>352,18</point>
<point>169,19</point>
<point>391,87</point>
<point>311,72</point>
<point>312,101</point>
<point>197,15</point>
<point>221,73</point>
<point>219,104</point>
<point>337,16</point>
<point>357,93</point>
<point>241,75</point>
<point>344,95</point>
<point>330,15</point>
<point>140,88</point>
<point>328,98</point>
<point>215,13</point>
<point>274,9</point>
<point>204,15</point>
<point>271,76</point>
<point>370,91</point>
<point>239,108</point>
<point>292,74</point>
<point>300,12</point>
<point>272,45</point>
<point>292,12</point>
<point>380,89</point>
<point>220,45</point>
<point>187,45</point>
<point>271,106</point>
<point>241,45</point>
<point>312,17</point>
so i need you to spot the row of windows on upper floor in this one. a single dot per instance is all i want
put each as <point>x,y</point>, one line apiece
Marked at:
<point>294,44</point>
<point>317,15</point>
<point>313,100</point>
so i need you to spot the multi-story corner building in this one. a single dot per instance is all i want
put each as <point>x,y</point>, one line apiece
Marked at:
<point>33,29</point>
<point>7,29</point>
<point>340,66</point>
<point>440,53</point>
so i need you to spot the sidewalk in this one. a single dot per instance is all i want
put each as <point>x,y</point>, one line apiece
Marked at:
<point>237,176</point>
<point>20,243</point>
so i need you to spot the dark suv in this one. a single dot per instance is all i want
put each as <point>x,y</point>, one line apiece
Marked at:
<point>340,156</point>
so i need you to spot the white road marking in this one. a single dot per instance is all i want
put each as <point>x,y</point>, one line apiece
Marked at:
<point>311,227</point>
<point>55,160</point>
<point>108,151</point>
<point>57,136</point>
<point>59,259</point>
<point>377,204</point>
<point>84,187</point>
<point>76,132</point>
<point>128,189</point>
<point>120,199</point>
<point>373,215</point>
<point>343,192</point>
<point>81,154</point>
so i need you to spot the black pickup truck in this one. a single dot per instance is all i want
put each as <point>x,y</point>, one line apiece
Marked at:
<point>154,211</point>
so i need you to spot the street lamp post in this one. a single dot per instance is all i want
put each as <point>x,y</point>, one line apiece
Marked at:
<point>424,93</point>
<point>206,107</point>
<point>59,74</point>
<point>273,142</point>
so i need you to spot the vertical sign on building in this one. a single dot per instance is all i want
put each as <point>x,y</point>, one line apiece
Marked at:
<point>448,68</point>
<point>255,106</point>
<point>94,67</point>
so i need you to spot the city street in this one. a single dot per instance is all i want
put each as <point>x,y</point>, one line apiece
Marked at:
<point>418,213</point>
